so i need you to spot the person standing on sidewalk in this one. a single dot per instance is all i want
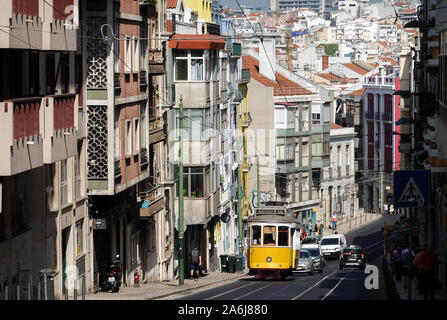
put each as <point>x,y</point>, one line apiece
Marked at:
<point>391,209</point>
<point>385,207</point>
<point>334,221</point>
<point>196,262</point>
<point>426,262</point>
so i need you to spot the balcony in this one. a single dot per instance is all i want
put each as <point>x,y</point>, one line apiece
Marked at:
<point>156,62</point>
<point>388,117</point>
<point>21,146</point>
<point>244,76</point>
<point>196,210</point>
<point>61,124</point>
<point>212,28</point>
<point>330,173</point>
<point>380,81</point>
<point>245,119</point>
<point>339,172</point>
<point>377,116</point>
<point>38,25</point>
<point>153,202</point>
<point>156,131</point>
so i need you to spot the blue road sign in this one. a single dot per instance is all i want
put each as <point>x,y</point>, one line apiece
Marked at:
<point>411,188</point>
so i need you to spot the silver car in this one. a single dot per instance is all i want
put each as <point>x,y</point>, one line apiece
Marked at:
<point>305,263</point>
<point>319,261</point>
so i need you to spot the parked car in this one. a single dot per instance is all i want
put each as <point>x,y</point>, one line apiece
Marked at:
<point>315,253</point>
<point>333,245</point>
<point>305,263</point>
<point>353,256</point>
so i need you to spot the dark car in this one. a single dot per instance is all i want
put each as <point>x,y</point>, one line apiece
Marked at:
<point>352,256</point>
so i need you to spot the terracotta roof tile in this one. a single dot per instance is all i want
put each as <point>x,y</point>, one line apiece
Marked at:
<point>335,126</point>
<point>285,87</point>
<point>357,92</point>
<point>171,4</point>
<point>355,68</point>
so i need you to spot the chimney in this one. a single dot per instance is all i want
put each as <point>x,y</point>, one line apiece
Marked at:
<point>267,58</point>
<point>325,62</point>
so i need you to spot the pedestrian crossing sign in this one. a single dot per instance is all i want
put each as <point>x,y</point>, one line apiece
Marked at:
<point>411,188</point>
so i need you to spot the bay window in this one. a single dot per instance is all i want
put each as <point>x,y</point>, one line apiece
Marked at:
<point>193,124</point>
<point>193,182</point>
<point>189,65</point>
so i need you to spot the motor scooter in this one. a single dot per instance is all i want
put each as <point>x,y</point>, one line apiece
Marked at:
<point>113,276</point>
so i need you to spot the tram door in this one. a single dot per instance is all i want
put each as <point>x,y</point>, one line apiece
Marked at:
<point>296,243</point>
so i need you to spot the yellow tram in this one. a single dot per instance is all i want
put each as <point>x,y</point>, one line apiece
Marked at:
<point>274,242</point>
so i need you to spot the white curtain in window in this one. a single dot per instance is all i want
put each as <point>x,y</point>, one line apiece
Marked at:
<point>197,69</point>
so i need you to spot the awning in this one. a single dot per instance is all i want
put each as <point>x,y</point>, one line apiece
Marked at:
<point>196,41</point>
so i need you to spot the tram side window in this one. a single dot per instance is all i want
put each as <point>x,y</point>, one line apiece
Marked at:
<point>256,235</point>
<point>283,236</point>
<point>269,235</point>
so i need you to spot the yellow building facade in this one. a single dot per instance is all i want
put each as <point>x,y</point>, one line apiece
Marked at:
<point>202,7</point>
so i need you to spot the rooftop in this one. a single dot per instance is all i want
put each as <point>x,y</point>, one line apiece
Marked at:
<point>283,86</point>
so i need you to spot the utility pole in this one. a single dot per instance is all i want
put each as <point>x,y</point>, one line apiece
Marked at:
<point>380,182</point>
<point>181,252</point>
<point>239,196</point>
<point>258,191</point>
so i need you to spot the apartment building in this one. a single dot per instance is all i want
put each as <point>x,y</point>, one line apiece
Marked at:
<point>381,148</point>
<point>129,195</point>
<point>338,191</point>
<point>205,79</point>
<point>290,151</point>
<point>44,223</point>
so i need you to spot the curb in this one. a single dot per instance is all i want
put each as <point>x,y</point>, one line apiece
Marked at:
<point>194,288</point>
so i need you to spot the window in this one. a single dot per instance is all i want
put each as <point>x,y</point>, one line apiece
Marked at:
<point>127,54</point>
<point>79,238</point>
<point>117,140</point>
<point>316,118</point>
<point>189,65</point>
<point>283,236</point>
<point>269,235</point>
<point>193,124</point>
<point>137,134</point>
<point>136,55</point>
<point>256,235</point>
<point>128,138</point>
<point>143,131</point>
<point>78,189</point>
<point>64,182</point>
<point>193,182</point>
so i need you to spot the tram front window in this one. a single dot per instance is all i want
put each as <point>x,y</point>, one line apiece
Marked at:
<point>269,235</point>
<point>256,235</point>
<point>283,236</point>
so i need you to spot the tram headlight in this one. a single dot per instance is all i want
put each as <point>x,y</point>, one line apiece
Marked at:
<point>269,259</point>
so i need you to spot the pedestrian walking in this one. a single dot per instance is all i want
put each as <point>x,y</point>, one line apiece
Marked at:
<point>426,262</point>
<point>196,263</point>
<point>391,209</point>
<point>385,207</point>
<point>334,221</point>
<point>310,227</point>
<point>316,229</point>
<point>397,261</point>
<point>406,264</point>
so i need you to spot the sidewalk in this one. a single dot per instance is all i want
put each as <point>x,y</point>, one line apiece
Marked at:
<point>356,222</point>
<point>152,291</point>
<point>402,290</point>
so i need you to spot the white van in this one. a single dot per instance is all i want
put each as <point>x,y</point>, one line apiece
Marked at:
<point>333,245</point>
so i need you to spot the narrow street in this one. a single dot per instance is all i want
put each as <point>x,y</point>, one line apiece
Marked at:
<point>331,284</point>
